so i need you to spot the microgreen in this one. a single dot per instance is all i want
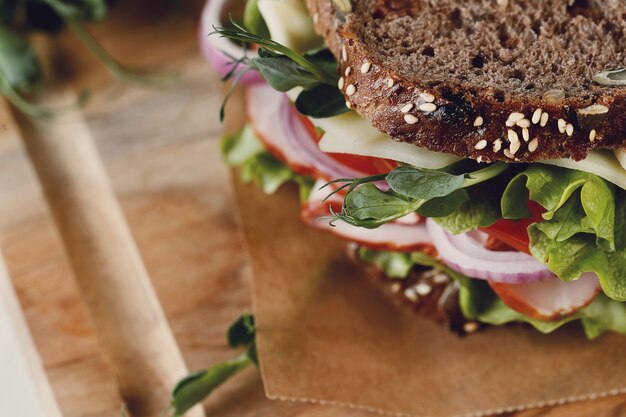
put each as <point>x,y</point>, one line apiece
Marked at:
<point>20,71</point>
<point>195,387</point>
<point>434,193</point>
<point>285,69</point>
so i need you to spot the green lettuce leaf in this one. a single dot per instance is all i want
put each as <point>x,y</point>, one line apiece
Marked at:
<point>553,187</point>
<point>244,150</point>
<point>584,227</point>
<point>392,264</point>
<point>480,209</point>
<point>580,253</point>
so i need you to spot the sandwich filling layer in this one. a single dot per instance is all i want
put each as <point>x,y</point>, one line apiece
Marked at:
<point>542,243</point>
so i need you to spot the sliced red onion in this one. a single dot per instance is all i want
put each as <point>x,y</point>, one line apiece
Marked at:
<point>466,254</point>
<point>299,138</point>
<point>216,49</point>
<point>551,299</point>
<point>264,106</point>
<point>284,134</point>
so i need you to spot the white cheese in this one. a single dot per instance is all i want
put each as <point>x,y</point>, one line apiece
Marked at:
<point>290,24</point>
<point>602,163</point>
<point>341,140</point>
<point>621,157</point>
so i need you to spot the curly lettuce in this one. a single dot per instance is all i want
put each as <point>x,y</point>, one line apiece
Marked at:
<point>583,228</point>
<point>244,150</point>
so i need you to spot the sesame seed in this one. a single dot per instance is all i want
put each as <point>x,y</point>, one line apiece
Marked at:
<point>411,294</point>
<point>344,53</point>
<point>440,278</point>
<point>423,288</point>
<point>427,107</point>
<point>390,82</point>
<point>316,17</point>
<point>429,273</point>
<point>536,116</point>
<point>481,144</point>
<point>347,71</point>
<point>478,121</point>
<point>348,105</point>
<point>508,154</point>
<point>533,145</point>
<point>525,123</point>
<point>470,327</point>
<point>544,119</point>
<point>365,67</point>
<point>514,147</point>
<point>592,135</point>
<point>427,97</point>
<point>525,134</point>
<point>479,159</point>
<point>396,287</point>
<point>516,117</point>
<point>406,108</point>
<point>497,145</point>
<point>561,124</point>
<point>410,119</point>
<point>569,129</point>
<point>350,89</point>
<point>512,136</point>
<point>340,83</point>
<point>509,123</point>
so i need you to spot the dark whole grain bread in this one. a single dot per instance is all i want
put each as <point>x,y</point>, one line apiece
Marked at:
<point>487,79</point>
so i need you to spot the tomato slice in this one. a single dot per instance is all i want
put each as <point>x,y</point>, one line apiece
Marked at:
<point>514,233</point>
<point>366,164</point>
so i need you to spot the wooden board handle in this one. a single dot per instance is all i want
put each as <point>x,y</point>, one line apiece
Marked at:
<point>105,259</point>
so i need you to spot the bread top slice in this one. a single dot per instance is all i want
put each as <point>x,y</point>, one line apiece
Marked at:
<point>487,79</point>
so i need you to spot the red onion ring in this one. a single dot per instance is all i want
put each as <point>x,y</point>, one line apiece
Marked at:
<point>263,107</point>
<point>215,48</point>
<point>465,254</point>
<point>300,139</point>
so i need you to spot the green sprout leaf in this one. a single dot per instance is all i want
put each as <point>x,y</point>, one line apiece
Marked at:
<point>434,193</point>
<point>321,101</point>
<point>19,67</point>
<point>241,331</point>
<point>423,184</point>
<point>195,387</point>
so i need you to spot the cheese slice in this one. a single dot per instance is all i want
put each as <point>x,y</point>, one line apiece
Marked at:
<point>621,157</point>
<point>602,163</point>
<point>351,134</point>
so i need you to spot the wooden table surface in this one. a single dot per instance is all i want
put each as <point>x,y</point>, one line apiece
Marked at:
<point>161,150</point>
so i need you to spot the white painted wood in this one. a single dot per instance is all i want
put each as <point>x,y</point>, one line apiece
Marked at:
<point>24,387</point>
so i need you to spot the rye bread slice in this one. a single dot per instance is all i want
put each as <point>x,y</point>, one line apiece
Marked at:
<point>486,79</point>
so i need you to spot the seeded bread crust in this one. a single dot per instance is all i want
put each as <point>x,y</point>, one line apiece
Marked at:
<point>484,122</point>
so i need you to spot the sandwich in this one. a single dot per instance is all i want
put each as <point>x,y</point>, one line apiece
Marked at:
<point>472,153</point>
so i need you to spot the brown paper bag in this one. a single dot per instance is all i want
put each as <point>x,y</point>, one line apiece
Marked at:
<point>327,334</point>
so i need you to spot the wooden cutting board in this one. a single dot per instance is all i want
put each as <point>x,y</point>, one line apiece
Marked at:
<point>161,151</point>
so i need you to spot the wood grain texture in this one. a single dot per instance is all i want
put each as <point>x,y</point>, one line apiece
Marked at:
<point>104,258</point>
<point>161,151</point>
<point>23,377</point>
